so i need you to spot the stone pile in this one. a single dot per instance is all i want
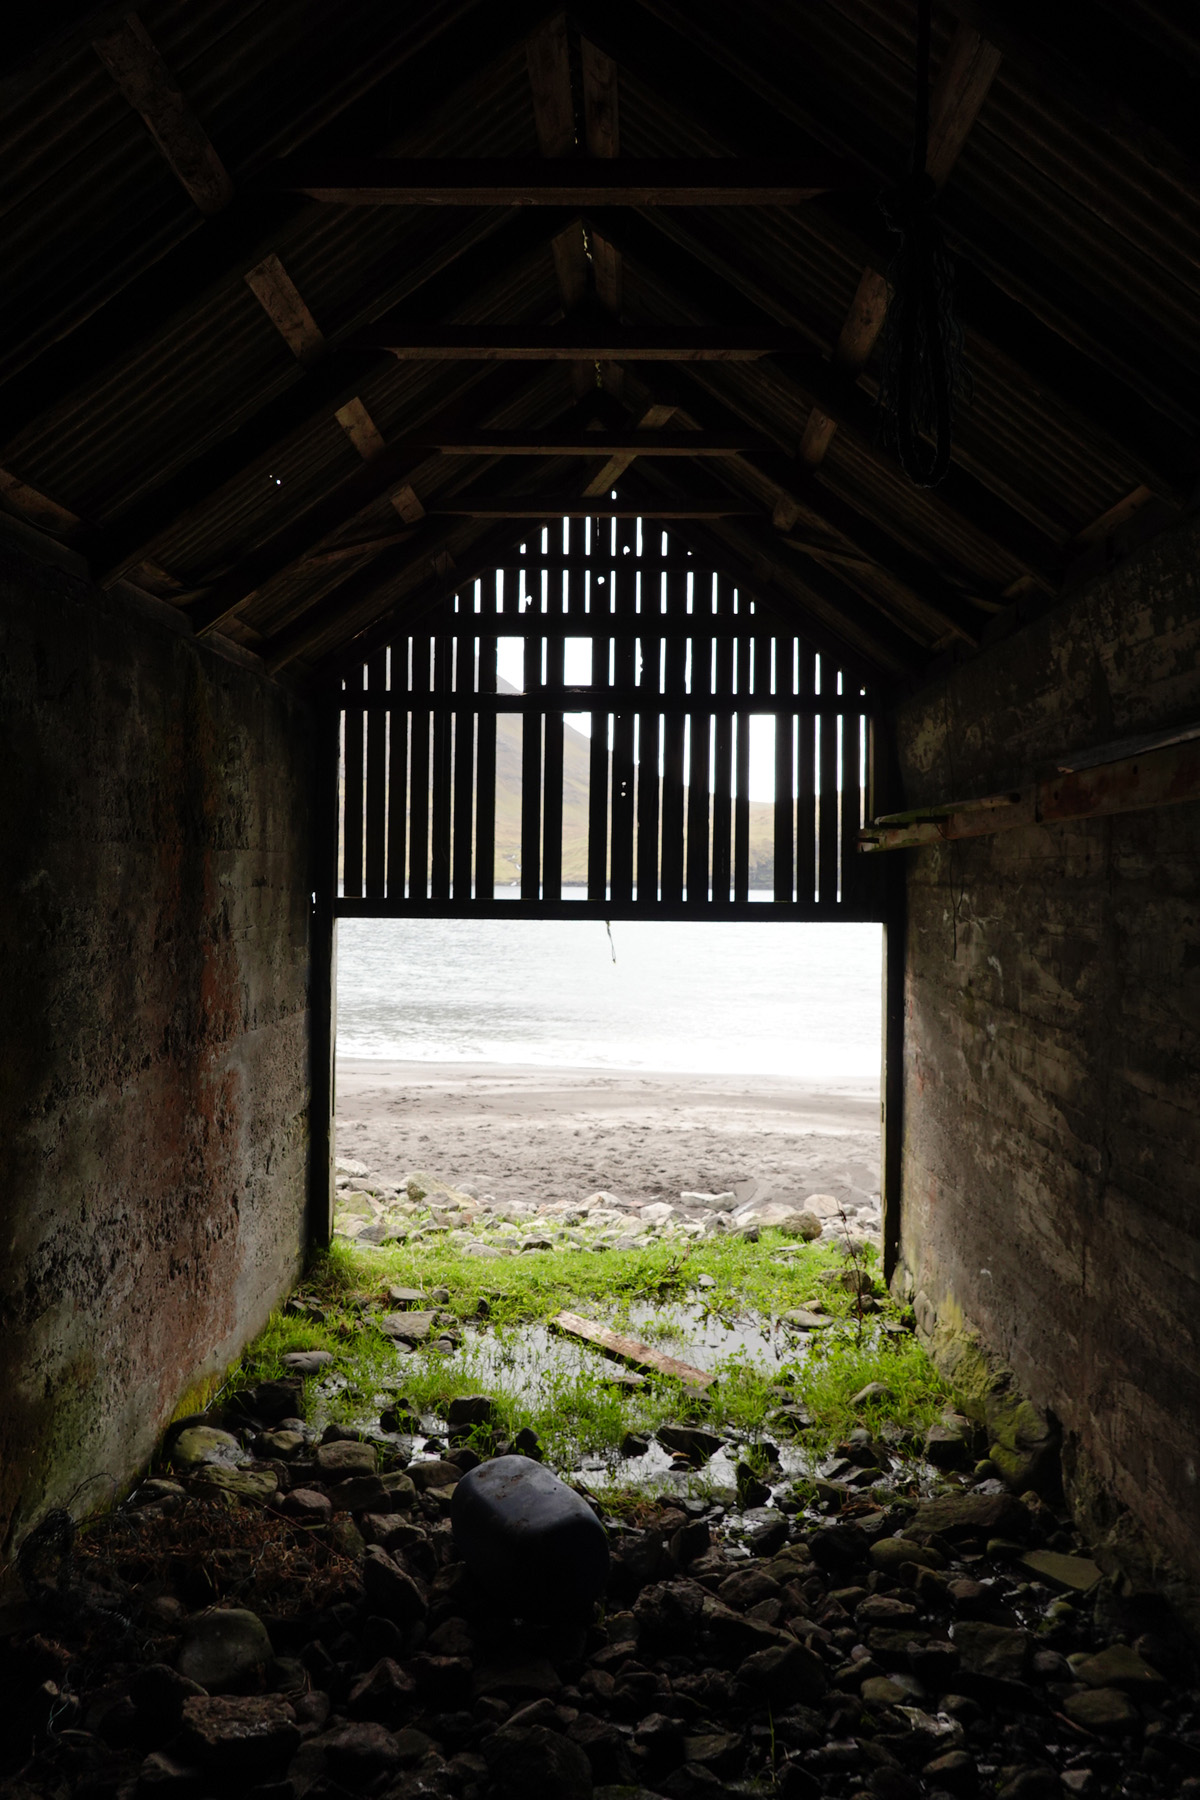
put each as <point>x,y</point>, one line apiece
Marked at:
<point>422,1208</point>
<point>959,1645</point>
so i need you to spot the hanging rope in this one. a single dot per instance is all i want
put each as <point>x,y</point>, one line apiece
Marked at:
<point>922,339</point>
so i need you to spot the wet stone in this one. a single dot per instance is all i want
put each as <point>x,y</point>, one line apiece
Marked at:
<point>247,1736</point>
<point>307,1362</point>
<point>1103,1710</point>
<point>201,1445</point>
<point>307,1506</point>
<point>224,1649</point>
<point>1119,1667</point>
<point>340,1460</point>
<point>255,1485</point>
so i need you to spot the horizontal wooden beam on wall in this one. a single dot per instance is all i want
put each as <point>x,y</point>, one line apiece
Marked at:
<point>1165,776</point>
<point>596,443</point>
<point>558,507</point>
<point>567,181</point>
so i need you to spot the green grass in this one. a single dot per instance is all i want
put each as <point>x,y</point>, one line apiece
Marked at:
<point>575,1412</point>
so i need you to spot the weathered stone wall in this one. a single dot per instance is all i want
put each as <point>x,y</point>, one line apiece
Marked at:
<point>1051,1184</point>
<point>154,920</point>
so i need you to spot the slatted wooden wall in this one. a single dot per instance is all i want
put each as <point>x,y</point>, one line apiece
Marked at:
<point>679,667</point>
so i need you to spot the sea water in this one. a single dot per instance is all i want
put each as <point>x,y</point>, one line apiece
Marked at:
<point>777,998</point>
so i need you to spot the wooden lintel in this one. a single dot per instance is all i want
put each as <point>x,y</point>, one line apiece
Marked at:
<point>572,342</point>
<point>139,71</point>
<point>629,1350</point>
<point>1158,777</point>
<point>569,181</point>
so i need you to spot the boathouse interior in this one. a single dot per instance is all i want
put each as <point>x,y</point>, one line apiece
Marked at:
<point>332,339</point>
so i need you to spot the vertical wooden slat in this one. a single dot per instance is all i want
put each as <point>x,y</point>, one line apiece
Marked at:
<point>552,805</point>
<point>323,976</point>
<point>722,806</point>
<point>649,741</point>
<point>464,749</point>
<point>376,724</point>
<point>352,788</point>
<point>623,584</point>
<point>600,603</point>
<point>531,753</point>
<point>785,809</point>
<point>443,738</point>
<point>741,799</point>
<point>418,831</point>
<point>806,781</point>
<point>674,688</point>
<point>397,772</point>
<point>699,745</point>
<point>827,802</point>
<point>852,743</point>
<point>485,771</point>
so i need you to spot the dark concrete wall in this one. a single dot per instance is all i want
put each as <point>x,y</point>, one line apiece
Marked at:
<point>1051,1181</point>
<point>154,921</point>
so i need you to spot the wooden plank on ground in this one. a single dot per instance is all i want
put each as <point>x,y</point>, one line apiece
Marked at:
<point>626,1349</point>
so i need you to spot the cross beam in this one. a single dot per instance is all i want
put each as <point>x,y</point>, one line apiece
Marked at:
<point>574,342</point>
<point>566,181</point>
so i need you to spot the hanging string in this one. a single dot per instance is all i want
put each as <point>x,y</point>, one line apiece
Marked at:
<point>922,339</point>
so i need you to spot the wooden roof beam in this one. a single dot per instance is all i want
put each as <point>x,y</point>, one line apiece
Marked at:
<point>565,506</point>
<point>962,85</point>
<point>581,341</point>
<point>612,444</point>
<point>497,181</point>
<point>146,82</point>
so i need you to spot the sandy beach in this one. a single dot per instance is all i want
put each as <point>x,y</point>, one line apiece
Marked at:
<point>535,1134</point>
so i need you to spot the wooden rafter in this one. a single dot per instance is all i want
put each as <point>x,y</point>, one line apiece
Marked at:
<point>626,445</point>
<point>561,506</point>
<point>143,77</point>
<point>285,306</point>
<point>548,59</point>
<point>453,181</point>
<point>961,88</point>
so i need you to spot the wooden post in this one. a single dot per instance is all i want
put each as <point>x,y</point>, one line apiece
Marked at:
<point>322,993</point>
<point>891,1082</point>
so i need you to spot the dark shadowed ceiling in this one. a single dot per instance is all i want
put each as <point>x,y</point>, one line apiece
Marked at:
<point>285,344</point>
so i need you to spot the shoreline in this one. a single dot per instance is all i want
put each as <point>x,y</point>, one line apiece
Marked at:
<point>527,1131</point>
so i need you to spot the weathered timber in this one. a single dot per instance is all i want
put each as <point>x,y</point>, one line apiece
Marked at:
<point>573,341</point>
<point>139,71</point>
<point>570,181</point>
<point>285,306</point>
<point>629,1350</point>
<point>1162,777</point>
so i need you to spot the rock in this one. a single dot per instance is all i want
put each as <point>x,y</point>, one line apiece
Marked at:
<point>245,1737</point>
<point>804,1320</point>
<point>997,1651</point>
<point>955,1773</point>
<point>165,1775</point>
<point>961,1515</point>
<point>1102,1709</point>
<point>255,1485</point>
<point>433,1474</point>
<point>824,1206</point>
<point>340,1460</point>
<point>385,1693</point>
<point>307,1506</point>
<point>946,1447</point>
<point>725,1202</point>
<point>224,1649</point>
<point>348,1755</point>
<point>407,1327</point>
<point>691,1440</point>
<point>473,1247</point>
<point>1077,1573</point>
<point>878,1690</point>
<point>1119,1667</point>
<point>470,1410</point>
<point>533,1543</point>
<point>273,1401</point>
<point>286,1446</point>
<point>394,1492</point>
<point>533,1761</point>
<point>518,1676</point>
<point>389,1590</point>
<point>202,1445</point>
<point>345,1166</point>
<point>307,1362</point>
<point>785,1672</point>
<point>779,1215</point>
<point>890,1554</point>
<point>403,1298</point>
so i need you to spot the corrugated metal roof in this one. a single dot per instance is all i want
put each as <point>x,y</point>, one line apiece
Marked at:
<point>150,394</point>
